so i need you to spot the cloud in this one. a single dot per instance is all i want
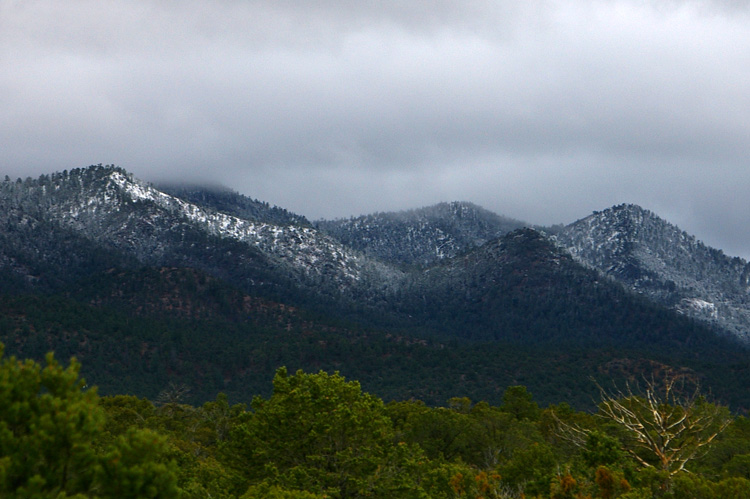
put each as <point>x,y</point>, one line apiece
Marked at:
<point>544,110</point>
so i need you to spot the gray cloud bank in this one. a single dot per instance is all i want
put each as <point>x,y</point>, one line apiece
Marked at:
<point>541,110</point>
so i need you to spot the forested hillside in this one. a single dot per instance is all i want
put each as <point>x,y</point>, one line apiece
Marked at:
<point>657,259</point>
<point>215,290</point>
<point>227,201</point>
<point>420,237</point>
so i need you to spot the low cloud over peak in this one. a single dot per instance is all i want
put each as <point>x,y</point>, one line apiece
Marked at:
<point>540,110</point>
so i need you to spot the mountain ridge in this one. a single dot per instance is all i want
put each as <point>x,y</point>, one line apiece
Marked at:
<point>230,202</point>
<point>111,206</point>
<point>422,236</point>
<point>653,257</point>
<point>107,208</point>
<point>98,239</point>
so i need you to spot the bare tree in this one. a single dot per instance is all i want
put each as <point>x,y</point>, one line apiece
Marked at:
<point>171,397</point>
<point>666,427</point>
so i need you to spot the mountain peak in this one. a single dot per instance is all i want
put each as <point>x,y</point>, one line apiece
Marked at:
<point>629,217</point>
<point>420,236</point>
<point>451,270</point>
<point>655,258</point>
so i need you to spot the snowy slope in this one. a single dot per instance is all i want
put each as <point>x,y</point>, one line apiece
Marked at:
<point>658,260</point>
<point>109,205</point>
<point>423,236</point>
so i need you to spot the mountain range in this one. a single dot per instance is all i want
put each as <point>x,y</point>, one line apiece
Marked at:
<point>151,284</point>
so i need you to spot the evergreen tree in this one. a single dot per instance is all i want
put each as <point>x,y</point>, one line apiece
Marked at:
<point>49,429</point>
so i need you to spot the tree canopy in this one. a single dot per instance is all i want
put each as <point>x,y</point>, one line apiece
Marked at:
<point>319,435</point>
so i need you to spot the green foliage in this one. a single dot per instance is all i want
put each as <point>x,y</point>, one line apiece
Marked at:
<point>602,449</point>
<point>533,468</point>
<point>729,456</point>
<point>47,422</point>
<point>52,440</point>
<point>191,436</point>
<point>129,470</point>
<point>266,491</point>
<point>320,436</point>
<point>442,433</point>
<point>696,487</point>
<point>334,436</point>
<point>518,402</point>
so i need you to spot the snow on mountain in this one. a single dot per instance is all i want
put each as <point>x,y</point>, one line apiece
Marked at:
<point>658,260</point>
<point>422,236</point>
<point>305,248</point>
<point>104,208</point>
<point>109,204</point>
<point>219,198</point>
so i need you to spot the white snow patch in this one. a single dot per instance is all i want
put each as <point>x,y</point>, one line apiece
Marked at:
<point>701,307</point>
<point>302,246</point>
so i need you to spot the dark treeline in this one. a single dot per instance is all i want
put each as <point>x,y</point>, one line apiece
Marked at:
<point>215,339</point>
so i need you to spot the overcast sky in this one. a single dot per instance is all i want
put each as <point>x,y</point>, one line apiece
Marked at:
<point>539,110</point>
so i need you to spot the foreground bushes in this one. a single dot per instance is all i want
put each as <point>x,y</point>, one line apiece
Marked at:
<point>320,436</point>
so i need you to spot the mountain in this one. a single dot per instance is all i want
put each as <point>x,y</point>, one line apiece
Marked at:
<point>658,260</point>
<point>149,285</point>
<point>420,237</point>
<point>127,220</point>
<point>525,289</point>
<point>221,199</point>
